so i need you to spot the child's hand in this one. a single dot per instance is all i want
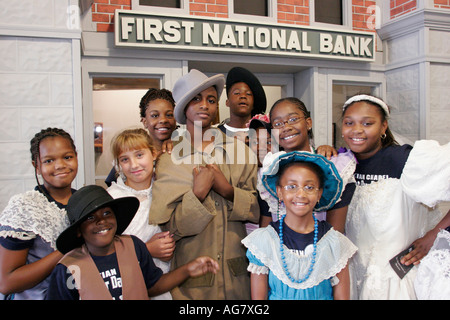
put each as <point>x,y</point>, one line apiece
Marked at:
<point>202,265</point>
<point>327,151</point>
<point>167,146</point>
<point>421,248</point>
<point>221,184</point>
<point>203,182</point>
<point>161,246</point>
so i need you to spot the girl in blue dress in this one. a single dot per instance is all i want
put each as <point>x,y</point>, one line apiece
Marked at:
<point>299,257</point>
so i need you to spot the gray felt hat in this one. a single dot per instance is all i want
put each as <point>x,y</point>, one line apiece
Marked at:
<point>191,84</point>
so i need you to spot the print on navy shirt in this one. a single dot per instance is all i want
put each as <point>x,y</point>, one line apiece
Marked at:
<point>108,268</point>
<point>368,178</point>
<point>111,279</point>
<point>386,163</point>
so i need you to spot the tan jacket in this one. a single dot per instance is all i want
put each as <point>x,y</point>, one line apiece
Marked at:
<point>215,227</point>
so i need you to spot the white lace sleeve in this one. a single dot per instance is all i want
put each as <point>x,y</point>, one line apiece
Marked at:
<point>263,193</point>
<point>31,213</point>
<point>426,175</point>
<point>254,268</point>
<point>433,275</point>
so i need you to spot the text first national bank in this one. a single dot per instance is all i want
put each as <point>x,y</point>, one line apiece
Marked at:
<point>186,33</point>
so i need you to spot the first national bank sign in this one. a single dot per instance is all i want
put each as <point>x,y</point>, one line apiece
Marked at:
<point>138,29</point>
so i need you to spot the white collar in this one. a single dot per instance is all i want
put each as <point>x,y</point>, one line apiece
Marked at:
<point>235,129</point>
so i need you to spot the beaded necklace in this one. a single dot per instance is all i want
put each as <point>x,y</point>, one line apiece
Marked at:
<point>313,261</point>
<point>279,213</point>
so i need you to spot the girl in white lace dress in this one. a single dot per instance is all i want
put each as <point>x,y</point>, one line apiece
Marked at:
<point>134,154</point>
<point>31,222</point>
<point>392,206</point>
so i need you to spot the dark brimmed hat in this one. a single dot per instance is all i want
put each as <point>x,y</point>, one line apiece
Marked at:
<point>239,74</point>
<point>87,200</point>
<point>333,184</point>
<point>191,84</point>
<point>257,123</point>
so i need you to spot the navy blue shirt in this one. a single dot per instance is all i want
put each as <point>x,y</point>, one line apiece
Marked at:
<point>263,207</point>
<point>298,241</point>
<point>386,163</point>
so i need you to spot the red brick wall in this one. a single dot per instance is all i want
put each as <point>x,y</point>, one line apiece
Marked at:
<point>293,11</point>
<point>103,13</point>
<point>289,11</point>
<point>400,7</point>
<point>361,15</point>
<point>209,8</point>
<point>443,4</point>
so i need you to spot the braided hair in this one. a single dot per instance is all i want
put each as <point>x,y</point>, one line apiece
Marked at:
<point>36,141</point>
<point>153,94</point>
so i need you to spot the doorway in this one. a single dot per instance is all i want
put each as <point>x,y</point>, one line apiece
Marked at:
<point>115,104</point>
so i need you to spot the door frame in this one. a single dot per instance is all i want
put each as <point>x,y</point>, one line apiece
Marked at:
<point>373,79</point>
<point>168,71</point>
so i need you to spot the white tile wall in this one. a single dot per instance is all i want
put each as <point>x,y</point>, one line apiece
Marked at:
<point>406,89</point>
<point>403,48</point>
<point>44,55</point>
<point>402,88</point>
<point>24,89</point>
<point>439,42</point>
<point>440,101</point>
<point>36,84</point>
<point>37,13</point>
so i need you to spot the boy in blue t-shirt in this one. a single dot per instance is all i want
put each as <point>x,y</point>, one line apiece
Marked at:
<point>100,264</point>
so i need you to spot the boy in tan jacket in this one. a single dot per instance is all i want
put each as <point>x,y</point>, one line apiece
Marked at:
<point>205,192</point>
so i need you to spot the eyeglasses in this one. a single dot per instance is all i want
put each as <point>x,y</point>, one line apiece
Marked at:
<point>292,120</point>
<point>293,188</point>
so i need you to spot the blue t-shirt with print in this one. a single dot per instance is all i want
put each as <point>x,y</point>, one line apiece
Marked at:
<point>386,163</point>
<point>61,287</point>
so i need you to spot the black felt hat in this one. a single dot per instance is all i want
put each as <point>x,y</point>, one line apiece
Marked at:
<point>87,200</point>
<point>239,74</point>
<point>258,123</point>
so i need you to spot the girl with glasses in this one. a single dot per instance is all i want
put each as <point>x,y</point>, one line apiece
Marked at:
<point>292,128</point>
<point>299,257</point>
